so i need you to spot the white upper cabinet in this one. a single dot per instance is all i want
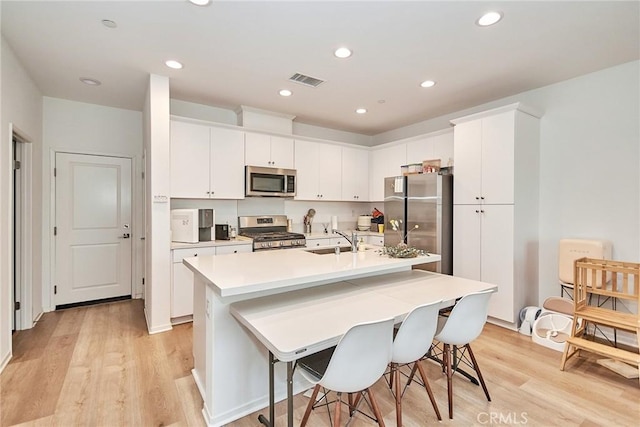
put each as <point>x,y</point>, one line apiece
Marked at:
<point>227,170</point>
<point>189,160</point>
<point>484,160</point>
<point>319,171</point>
<point>206,162</point>
<point>383,163</point>
<point>432,147</point>
<point>355,174</point>
<point>268,151</point>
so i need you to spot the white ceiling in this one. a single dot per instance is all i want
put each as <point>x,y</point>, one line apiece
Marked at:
<point>242,53</point>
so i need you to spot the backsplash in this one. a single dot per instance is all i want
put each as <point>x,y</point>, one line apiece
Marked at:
<point>227,211</point>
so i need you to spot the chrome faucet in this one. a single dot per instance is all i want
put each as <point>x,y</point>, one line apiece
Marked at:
<point>353,240</point>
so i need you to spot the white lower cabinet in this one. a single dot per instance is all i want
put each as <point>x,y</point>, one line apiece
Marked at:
<point>319,241</point>
<point>483,242</point>
<point>182,277</point>
<point>374,240</point>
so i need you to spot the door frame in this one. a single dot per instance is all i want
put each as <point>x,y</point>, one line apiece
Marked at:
<point>136,287</point>
<point>24,289</point>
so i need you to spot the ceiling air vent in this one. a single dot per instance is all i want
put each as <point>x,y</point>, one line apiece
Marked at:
<point>306,80</point>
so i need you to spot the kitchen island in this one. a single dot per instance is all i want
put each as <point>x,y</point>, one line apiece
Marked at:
<point>230,364</point>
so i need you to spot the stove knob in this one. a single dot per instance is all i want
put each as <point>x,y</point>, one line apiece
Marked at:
<point>282,243</point>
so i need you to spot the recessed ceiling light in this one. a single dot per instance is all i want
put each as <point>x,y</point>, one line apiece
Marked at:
<point>342,52</point>
<point>361,110</point>
<point>285,92</point>
<point>489,18</point>
<point>109,23</point>
<point>90,82</point>
<point>200,2</point>
<point>428,83</point>
<point>173,64</point>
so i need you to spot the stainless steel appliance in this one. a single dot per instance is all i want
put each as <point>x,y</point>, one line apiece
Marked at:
<point>205,224</point>
<point>270,182</point>
<point>269,232</point>
<point>425,200</point>
<point>191,225</point>
<point>223,232</point>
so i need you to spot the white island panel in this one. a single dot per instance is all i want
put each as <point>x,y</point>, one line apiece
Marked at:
<point>243,274</point>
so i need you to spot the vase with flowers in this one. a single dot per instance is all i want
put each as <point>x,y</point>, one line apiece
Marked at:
<point>401,250</point>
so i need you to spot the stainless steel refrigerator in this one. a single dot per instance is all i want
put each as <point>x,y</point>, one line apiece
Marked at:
<point>425,200</point>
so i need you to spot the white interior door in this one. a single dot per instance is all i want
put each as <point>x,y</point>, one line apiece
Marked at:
<point>93,220</point>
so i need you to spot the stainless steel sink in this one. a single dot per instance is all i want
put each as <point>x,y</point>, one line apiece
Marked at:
<point>326,251</point>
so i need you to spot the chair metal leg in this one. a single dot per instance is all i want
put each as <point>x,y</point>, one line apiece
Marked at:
<point>428,388</point>
<point>376,408</point>
<point>447,363</point>
<point>477,369</point>
<point>312,401</point>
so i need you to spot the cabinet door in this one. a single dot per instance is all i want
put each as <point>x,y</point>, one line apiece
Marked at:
<point>329,165</point>
<point>257,149</point>
<point>355,174</point>
<point>282,152</point>
<point>498,259</point>
<point>384,162</point>
<point>312,243</point>
<point>419,150</point>
<point>233,249</point>
<point>443,148</point>
<point>306,162</point>
<point>467,149</point>
<point>498,136</point>
<point>466,241</point>
<point>181,291</point>
<point>227,163</point>
<point>189,160</point>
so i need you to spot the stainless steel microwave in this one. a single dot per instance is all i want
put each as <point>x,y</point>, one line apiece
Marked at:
<point>270,182</point>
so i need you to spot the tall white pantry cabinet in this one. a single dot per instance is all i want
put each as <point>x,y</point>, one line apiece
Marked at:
<point>496,192</point>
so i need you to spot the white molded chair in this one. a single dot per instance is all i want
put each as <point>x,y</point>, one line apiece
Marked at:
<point>464,324</point>
<point>358,361</point>
<point>411,343</point>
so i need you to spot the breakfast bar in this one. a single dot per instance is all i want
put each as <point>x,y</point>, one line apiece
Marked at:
<point>230,362</point>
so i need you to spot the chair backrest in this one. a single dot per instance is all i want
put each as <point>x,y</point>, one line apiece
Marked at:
<point>569,250</point>
<point>360,358</point>
<point>466,320</point>
<point>415,335</point>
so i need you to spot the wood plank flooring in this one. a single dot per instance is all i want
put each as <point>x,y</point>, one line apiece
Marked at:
<point>97,366</point>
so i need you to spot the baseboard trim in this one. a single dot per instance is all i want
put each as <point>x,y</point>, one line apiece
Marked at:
<point>157,329</point>
<point>502,323</point>
<point>5,360</point>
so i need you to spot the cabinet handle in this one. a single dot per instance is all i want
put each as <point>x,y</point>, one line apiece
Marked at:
<point>195,254</point>
<point>481,210</point>
<point>477,211</point>
<point>235,252</point>
<point>481,198</point>
<point>477,198</point>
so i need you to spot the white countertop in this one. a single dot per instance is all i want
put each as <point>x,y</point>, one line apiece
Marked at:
<point>322,235</point>
<point>268,271</point>
<point>240,240</point>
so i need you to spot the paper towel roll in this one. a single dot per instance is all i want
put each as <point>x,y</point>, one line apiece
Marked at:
<point>334,222</point>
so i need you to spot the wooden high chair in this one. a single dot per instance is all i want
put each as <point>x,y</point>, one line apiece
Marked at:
<point>610,279</point>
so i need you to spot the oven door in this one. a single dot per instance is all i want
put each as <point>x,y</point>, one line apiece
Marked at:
<point>270,182</point>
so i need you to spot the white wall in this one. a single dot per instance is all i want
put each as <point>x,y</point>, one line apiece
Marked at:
<point>158,188</point>
<point>589,156</point>
<point>22,109</point>
<point>77,127</point>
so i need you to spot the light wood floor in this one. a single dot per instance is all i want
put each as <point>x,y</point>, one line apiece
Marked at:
<point>97,366</point>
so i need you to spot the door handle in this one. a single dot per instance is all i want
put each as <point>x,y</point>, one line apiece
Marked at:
<point>125,236</point>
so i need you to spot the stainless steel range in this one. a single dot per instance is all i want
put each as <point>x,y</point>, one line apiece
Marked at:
<point>269,232</point>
